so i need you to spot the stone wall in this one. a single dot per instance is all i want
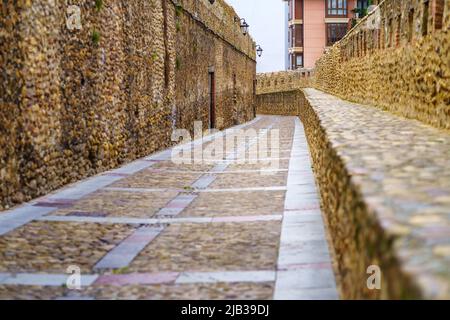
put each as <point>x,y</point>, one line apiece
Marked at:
<point>279,93</point>
<point>283,81</point>
<point>233,58</point>
<point>358,237</point>
<point>403,66</point>
<point>77,102</point>
<point>284,103</point>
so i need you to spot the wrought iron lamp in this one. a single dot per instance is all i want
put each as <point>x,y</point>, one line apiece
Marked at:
<point>244,27</point>
<point>259,50</point>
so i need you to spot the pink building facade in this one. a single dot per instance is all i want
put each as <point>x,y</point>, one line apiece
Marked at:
<point>314,25</point>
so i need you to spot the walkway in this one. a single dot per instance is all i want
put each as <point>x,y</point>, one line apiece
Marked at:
<point>241,224</point>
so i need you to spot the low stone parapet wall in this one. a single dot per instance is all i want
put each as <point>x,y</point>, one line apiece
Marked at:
<point>396,58</point>
<point>385,189</point>
<point>279,103</point>
<point>271,82</point>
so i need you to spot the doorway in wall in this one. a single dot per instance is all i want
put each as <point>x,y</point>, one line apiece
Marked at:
<point>235,106</point>
<point>212,100</point>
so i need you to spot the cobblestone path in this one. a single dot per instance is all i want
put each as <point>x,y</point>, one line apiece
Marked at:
<point>240,225</point>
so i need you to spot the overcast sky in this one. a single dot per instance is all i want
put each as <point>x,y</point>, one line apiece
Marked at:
<point>266,20</point>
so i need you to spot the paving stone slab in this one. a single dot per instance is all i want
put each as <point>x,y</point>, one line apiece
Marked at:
<point>248,218</point>
<point>303,240</point>
<point>84,188</point>
<point>122,255</point>
<point>302,252</point>
<point>137,279</point>
<point>204,181</point>
<point>253,276</point>
<point>16,218</point>
<point>177,205</point>
<point>132,168</point>
<point>297,284</point>
<point>49,280</point>
<point>312,294</point>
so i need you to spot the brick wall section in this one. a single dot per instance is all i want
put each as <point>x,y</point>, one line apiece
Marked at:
<point>72,106</point>
<point>404,67</point>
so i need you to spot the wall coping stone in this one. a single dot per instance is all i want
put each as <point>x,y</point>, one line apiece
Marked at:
<point>399,167</point>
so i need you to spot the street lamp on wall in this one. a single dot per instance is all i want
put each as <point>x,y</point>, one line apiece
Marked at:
<point>243,24</point>
<point>244,27</point>
<point>259,50</point>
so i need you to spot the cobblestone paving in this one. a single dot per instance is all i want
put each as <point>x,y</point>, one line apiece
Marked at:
<point>119,204</point>
<point>242,203</point>
<point>223,228</point>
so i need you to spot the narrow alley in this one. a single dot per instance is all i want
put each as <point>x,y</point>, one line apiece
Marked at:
<point>231,227</point>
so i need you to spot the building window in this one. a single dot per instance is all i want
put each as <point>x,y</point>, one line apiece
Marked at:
<point>298,9</point>
<point>298,35</point>
<point>299,60</point>
<point>290,9</point>
<point>336,8</point>
<point>335,32</point>
<point>296,61</point>
<point>291,36</point>
<point>363,4</point>
<point>361,8</point>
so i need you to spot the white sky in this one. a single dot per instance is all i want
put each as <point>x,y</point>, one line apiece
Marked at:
<point>266,20</point>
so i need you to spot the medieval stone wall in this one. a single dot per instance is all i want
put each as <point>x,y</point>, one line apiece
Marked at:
<point>284,103</point>
<point>283,81</point>
<point>397,58</point>
<point>77,102</point>
<point>358,235</point>
<point>279,93</point>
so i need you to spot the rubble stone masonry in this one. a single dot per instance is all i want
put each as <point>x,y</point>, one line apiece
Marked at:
<point>78,102</point>
<point>382,176</point>
<point>279,93</point>
<point>397,58</point>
